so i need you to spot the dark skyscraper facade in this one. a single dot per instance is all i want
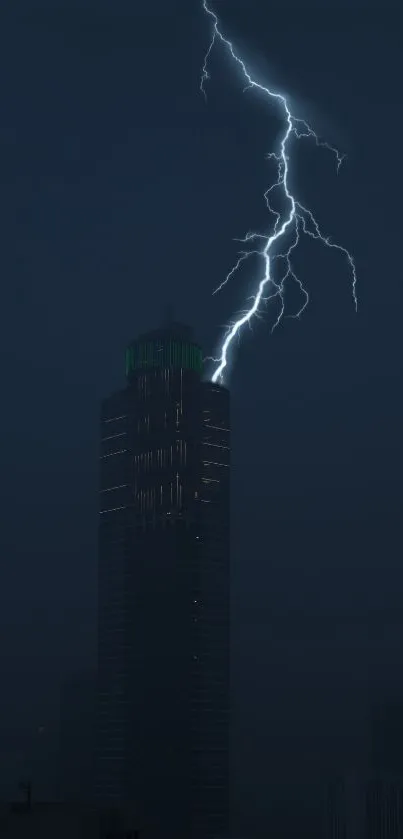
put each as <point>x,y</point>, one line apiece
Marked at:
<point>163,592</point>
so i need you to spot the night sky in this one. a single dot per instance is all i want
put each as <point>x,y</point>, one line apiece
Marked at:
<point>122,191</point>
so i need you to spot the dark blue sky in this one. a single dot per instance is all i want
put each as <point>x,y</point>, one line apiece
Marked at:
<point>121,190</point>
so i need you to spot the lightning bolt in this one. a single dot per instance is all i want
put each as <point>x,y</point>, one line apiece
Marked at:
<point>296,221</point>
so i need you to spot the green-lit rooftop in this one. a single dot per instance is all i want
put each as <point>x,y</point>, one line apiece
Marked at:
<point>172,346</point>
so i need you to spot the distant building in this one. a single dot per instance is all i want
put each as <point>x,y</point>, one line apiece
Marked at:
<point>76,739</point>
<point>368,804</point>
<point>384,808</point>
<point>345,809</point>
<point>384,793</point>
<point>387,739</point>
<point>163,593</point>
<point>31,819</point>
<point>31,751</point>
<point>43,820</point>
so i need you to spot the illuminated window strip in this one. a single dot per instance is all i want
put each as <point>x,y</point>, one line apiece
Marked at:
<point>119,486</point>
<point>212,463</point>
<point>217,427</point>
<point>215,445</point>
<point>112,419</point>
<point>111,510</point>
<point>112,454</point>
<point>113,436</point>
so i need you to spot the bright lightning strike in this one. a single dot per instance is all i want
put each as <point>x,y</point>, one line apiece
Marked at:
<point>298,219</point>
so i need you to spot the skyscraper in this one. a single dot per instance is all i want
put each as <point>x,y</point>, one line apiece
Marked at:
<point>163,592</point>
